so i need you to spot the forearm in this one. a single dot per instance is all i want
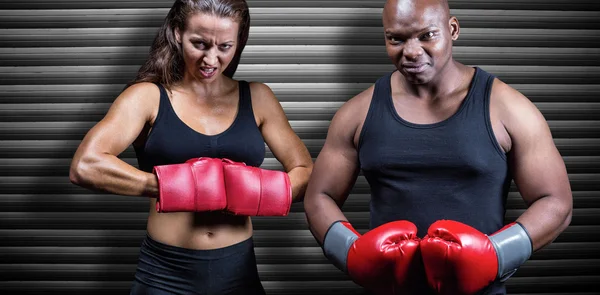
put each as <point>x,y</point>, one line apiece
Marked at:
<point>545,219</point>
<point>108,173</point>
<point>299,179</point>
<point>321,212</point>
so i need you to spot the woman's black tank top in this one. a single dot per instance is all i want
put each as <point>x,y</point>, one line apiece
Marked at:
<point>171,141</point>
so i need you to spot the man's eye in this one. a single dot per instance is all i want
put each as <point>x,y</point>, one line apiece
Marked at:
<point>428,35</point>
<point>394,40</point>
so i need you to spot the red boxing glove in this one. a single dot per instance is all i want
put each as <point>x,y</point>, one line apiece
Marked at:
<point>384,260</point>
<point>460,260</point>
<point>193,186</point>
<point>254,191</point>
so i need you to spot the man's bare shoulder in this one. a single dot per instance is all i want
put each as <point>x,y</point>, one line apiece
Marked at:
<point>508,101</point>
<point>348,120</point>
<point>518,114</point>
<point>355,109</point>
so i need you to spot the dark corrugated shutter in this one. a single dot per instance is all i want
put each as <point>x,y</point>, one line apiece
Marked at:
<point>62,62</point>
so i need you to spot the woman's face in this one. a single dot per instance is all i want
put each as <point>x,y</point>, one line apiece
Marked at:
<point>209,44</point>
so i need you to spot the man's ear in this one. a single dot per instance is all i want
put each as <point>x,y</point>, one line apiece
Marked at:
<point>454,28</point>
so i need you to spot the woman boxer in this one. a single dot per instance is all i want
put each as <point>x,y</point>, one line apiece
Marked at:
<point>199,137</point>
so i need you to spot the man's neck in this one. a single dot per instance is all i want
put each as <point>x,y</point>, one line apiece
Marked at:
<point>451,77</point>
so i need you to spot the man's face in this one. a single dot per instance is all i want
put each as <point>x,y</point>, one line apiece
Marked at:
<point>419,35</point>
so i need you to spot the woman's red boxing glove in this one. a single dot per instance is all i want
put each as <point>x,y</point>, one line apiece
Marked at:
<point>254,191</point>
<point>194,186</point>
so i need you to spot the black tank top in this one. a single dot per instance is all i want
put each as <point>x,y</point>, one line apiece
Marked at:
<point>171,141</point>
<point>453,169</point>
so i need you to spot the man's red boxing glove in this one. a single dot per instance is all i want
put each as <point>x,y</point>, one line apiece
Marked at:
<point>193,186</point>
<point>254,191</point>
<point>460,260</point>
<point>383,260</point>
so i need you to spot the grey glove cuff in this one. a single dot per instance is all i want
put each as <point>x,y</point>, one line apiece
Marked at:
<point>513,247</point>
<point>337,243</point>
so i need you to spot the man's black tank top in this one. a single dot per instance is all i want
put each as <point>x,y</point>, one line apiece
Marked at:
<point>453,169</point>
<point>171,141</point>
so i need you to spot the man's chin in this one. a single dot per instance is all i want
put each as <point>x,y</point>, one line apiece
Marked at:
<point>416,78</point>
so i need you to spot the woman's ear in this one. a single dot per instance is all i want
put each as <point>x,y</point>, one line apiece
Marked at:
<point>177,35</point>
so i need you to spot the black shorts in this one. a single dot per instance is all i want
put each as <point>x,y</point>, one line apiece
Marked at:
<point>164,269</point>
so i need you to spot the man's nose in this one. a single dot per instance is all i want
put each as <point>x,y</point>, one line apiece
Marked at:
<point>412,49</point>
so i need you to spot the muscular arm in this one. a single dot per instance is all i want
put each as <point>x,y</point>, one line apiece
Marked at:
<point>538,168</point>
<point>336,168</point>
<point>95,164</point>
<point>281,139</point>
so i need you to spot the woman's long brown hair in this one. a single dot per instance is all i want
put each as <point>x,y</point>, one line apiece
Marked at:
<point>165,63</point>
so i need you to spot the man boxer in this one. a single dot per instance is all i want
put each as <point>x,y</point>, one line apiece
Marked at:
<point>439,144</point>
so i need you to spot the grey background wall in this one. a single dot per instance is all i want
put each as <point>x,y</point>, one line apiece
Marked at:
<point>62,62</point>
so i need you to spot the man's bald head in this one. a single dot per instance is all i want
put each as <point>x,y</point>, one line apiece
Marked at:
<point>407,6</point>
<point>444,3</point>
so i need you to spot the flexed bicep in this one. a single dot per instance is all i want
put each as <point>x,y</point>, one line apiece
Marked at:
<point>95,164</point>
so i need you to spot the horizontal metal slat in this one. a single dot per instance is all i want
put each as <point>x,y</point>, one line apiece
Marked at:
<point>96,111</point>
<point>311,54</point>
<point>543,94</point>
<point>578,147</point>
<point>559,251</point>
<point>586,5</point>
<point>568,147</point>
<point>62,185</point>
<point>300,110</point>
<point>292,16</point>
<point>580,234</point>
<point>60,166</point>
<point>560,267</point>
<point>137,221</point>
<point>97,202</point>
<point>588,216</point>
<point>554,286</point>
<point>133,238</point>
<point>574,129</point>
<point>569,258</point>
<point>299,35</point>
<point>267,272</point>
<point>569,111</point>
<point>562,286</point>
<point>360,202</point>
<point>290,73</point>
<point>304,129</point>
<point>122,287</point>
<point>73,203</point>
<point>570,284</point>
